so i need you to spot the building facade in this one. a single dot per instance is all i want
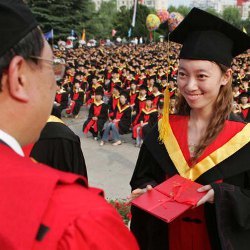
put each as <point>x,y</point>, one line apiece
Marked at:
<point>154,4</point>
<point>217,5</point>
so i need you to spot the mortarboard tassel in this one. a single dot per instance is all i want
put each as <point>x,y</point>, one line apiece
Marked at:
<point>163,132</point>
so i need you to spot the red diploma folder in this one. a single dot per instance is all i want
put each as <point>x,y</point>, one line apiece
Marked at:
<point>170,199</point>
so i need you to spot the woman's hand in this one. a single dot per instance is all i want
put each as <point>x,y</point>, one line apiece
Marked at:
<point>138,192</point>
<point>209,197</point>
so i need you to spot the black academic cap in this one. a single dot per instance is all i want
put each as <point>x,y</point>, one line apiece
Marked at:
<point>16,21</point>
<point>156,85</point>
<point>116,86</point>
<point>164,77</point>
<point>99,92</point>
<point>125,94</point>
<point>150,97</point>
<point>133,82</point>
<point>207,37</point>
<point>143,87</point>
<point>244,94</point>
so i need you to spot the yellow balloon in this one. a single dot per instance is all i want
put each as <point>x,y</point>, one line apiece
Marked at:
<point>153,22</point>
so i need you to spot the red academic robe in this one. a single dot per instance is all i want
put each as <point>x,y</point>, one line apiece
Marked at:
<point>42,208</point>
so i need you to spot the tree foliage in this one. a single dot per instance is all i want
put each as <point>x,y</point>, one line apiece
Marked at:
<point>124,19</point>
<point>103,21</point>
<point>65,15</point>
<point>232,15</point>
<point>184,10</point>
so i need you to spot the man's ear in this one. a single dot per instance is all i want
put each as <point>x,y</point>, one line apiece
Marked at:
<point>17,79</point>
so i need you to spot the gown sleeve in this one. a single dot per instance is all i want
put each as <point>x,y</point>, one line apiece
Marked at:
<point>97,230</point>
<point>232,204</point>
<point>146,172</point>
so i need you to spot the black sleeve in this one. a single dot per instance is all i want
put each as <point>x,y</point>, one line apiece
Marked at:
<point>60,153</point>
<point>104,112</point>
<point>147,171</point>
<point>232,204</point>
<point>136,106</point>
<point>110,103</point>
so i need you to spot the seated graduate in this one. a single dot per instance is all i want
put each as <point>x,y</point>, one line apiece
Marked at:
<point>152,121</point>
<point>77,97</point>
<point>133,93</point>
<point>244,106</point>
<point>147,113</point>
<point>119,123</point>
<point>95,86</point>
<point>140,103</point>
<point>199,144</point>
<point>98,115</point>
<point>62,97</point>
<point>114,99</point>
<point>59,147</point>
<point>157,95</point>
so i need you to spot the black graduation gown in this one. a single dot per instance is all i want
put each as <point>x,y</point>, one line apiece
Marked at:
<point>102,117</point>
<point>64,100</point>
<point>78,98</point>
<point>60,148</point>
<point>112,103</point>
<point>228,220</point>
<point>245,114</point>
<point>124,114</point>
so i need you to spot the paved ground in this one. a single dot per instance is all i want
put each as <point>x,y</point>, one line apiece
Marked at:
<point>109,167</point>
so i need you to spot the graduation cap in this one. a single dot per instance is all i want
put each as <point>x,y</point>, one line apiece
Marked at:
<point>150,97</point>
<point>244,94</point>
<point>116,86</point>
<point>133,82</point>
<point>99,92</point>
<point>164,77</point>
<point>16,21</point>
<point>143,87</point>
<point>125,94</point>
<point>207,37</point>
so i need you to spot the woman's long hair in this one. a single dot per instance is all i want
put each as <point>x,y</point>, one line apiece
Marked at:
<point>222,109</point>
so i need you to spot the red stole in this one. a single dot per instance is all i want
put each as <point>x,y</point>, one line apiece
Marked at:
<point>190,235</point>
<point>76,96</point>
<point>58,97</point>
<point>92,123</point>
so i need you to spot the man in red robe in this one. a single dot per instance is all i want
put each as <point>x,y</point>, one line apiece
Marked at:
<point>41,208</point>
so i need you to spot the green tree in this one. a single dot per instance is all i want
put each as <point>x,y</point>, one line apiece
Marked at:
<point>102,22</point>
<point>212,11</point>
<point>124,19</point>
<point>184,10</point>
<point>62,15</point>
<point>232,15</point>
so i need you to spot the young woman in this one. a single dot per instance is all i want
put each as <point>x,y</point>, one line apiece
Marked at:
<point>98,115</point>
<point>119,123</point>
<point>147,113</point>
<point>200,144</point>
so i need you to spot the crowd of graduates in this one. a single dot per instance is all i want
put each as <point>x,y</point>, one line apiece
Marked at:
<point>123,87</point>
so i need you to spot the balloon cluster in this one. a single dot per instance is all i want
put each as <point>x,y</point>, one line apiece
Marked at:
<point>153,21</point>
